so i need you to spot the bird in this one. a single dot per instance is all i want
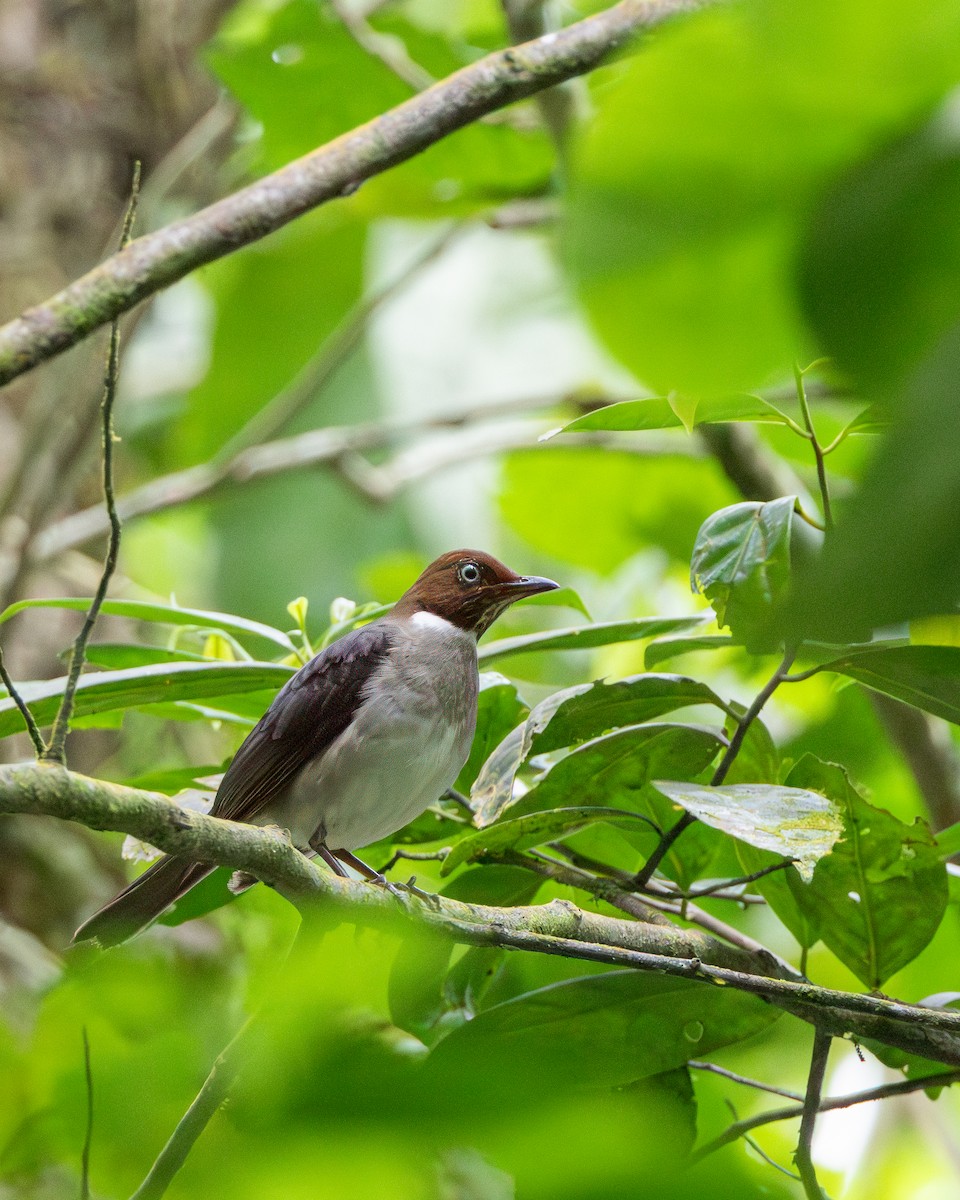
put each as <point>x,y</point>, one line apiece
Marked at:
<point>360,741</point>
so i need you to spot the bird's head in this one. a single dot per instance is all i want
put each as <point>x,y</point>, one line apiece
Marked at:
<point>469,589</point>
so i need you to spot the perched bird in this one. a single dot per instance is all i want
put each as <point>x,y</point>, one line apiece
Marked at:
<point>360,741</point>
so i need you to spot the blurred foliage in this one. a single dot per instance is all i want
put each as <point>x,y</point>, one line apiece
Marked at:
<point>760,184</point>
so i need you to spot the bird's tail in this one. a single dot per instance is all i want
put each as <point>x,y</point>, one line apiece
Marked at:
<point>143,901</point>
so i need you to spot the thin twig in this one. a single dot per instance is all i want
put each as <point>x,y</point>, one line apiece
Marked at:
<point>744,1079</point>
<point>88,1135</point>
<point>414,856</point>
<point>808,1119</point>
<point>193,1122</point>
<point>32,727</point>
<point>817,449</point>
<point>55,751</point>
<point>885,1092</point>
<point>711,889</point>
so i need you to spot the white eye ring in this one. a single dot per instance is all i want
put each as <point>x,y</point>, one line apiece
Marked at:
<point>469,573</point>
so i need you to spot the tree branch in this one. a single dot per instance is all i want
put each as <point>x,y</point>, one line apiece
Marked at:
<point>558,928</point>
<point>161,258</point>
<point>808,1119</point>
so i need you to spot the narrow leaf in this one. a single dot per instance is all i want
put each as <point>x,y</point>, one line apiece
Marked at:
<point>586,637</point>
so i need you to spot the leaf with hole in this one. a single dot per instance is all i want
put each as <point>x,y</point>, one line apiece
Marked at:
<point>882,892</point>
<point>794,822</point>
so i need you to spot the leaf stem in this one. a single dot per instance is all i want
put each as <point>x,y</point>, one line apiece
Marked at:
<point>56,750</point>
<point>88,1136</point>
<point>817,449</point>
<point>663,847</point>
<point>193,1122</point>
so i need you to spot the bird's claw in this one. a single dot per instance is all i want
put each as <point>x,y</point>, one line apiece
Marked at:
<point>430,898</point>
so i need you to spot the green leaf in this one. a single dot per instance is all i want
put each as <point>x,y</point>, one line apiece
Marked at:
<point>682,236</point>
<point>635,415</point>
<point>562,597</point>
<point>523,833</point>
<point>886,237</point>
<point>121,656</point>
<point>586,637</point>
<point>605,1030</point>
<point>665,649</point>
<point>948,841</point>
<point>634,500</point>
<point>882,892</point>
<point>615,769</point>
<point>499,710</point>
<point>927,677</point>
<point>741,563</point>
<point>895,552</point>
<point>104,691</point>
<point>576,715</point>
<point>780,890</point>
<point>794,822</point>
<point>165,614</point>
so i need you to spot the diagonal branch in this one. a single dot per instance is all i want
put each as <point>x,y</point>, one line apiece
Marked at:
<point>161,258</point>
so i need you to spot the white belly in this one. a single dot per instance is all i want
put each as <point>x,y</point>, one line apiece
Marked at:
<point>406,746</point>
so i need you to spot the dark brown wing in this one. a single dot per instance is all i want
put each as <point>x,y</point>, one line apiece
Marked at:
<point>310,711</point>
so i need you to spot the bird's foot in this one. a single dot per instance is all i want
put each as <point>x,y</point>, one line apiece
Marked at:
<point>395,889</point>
<point>411,888</point>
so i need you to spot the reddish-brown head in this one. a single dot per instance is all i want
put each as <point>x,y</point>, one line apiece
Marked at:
<point>469,589</point>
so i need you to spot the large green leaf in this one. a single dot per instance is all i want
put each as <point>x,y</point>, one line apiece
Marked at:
<point>634,500</point>
<point>927,677</point>
<point>665,649</point>
<point>164,614</point>
<point>607,1030</point>
<point>880,271</point>
<point>615,769</point>
<point>895,553</point>
<point>576,715</point>
<point>796,823</point>
<point>586,637</point>
<point>104,691</point>
<point>741,563</point>
<point>882,892</point>
<point>535,829</point>
<point>636,415</point>
<point>682,235</point>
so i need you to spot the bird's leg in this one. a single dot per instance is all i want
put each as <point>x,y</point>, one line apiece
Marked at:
<point>430,898</point>
<point>319,845</point>
<point>369,873</point>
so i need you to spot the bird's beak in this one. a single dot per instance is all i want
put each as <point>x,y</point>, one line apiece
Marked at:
<point>529,585</point>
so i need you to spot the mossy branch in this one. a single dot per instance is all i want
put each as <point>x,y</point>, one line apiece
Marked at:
<point>159,259</point>
<point>558,927</point>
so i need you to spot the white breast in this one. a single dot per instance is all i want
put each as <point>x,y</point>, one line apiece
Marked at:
<point>406,746</point>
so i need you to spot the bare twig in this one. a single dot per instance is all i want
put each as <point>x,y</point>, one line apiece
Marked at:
<point>331,447</point>
<point>808,1119</point>
<point>744,1079</point>
<point>161,258</point>
<point>32,728</point>
<point>885,1092</point>
<point>193,1122</point>
<point>55,751</point>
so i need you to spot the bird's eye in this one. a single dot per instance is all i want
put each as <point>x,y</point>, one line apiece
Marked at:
<point>469,573</point>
